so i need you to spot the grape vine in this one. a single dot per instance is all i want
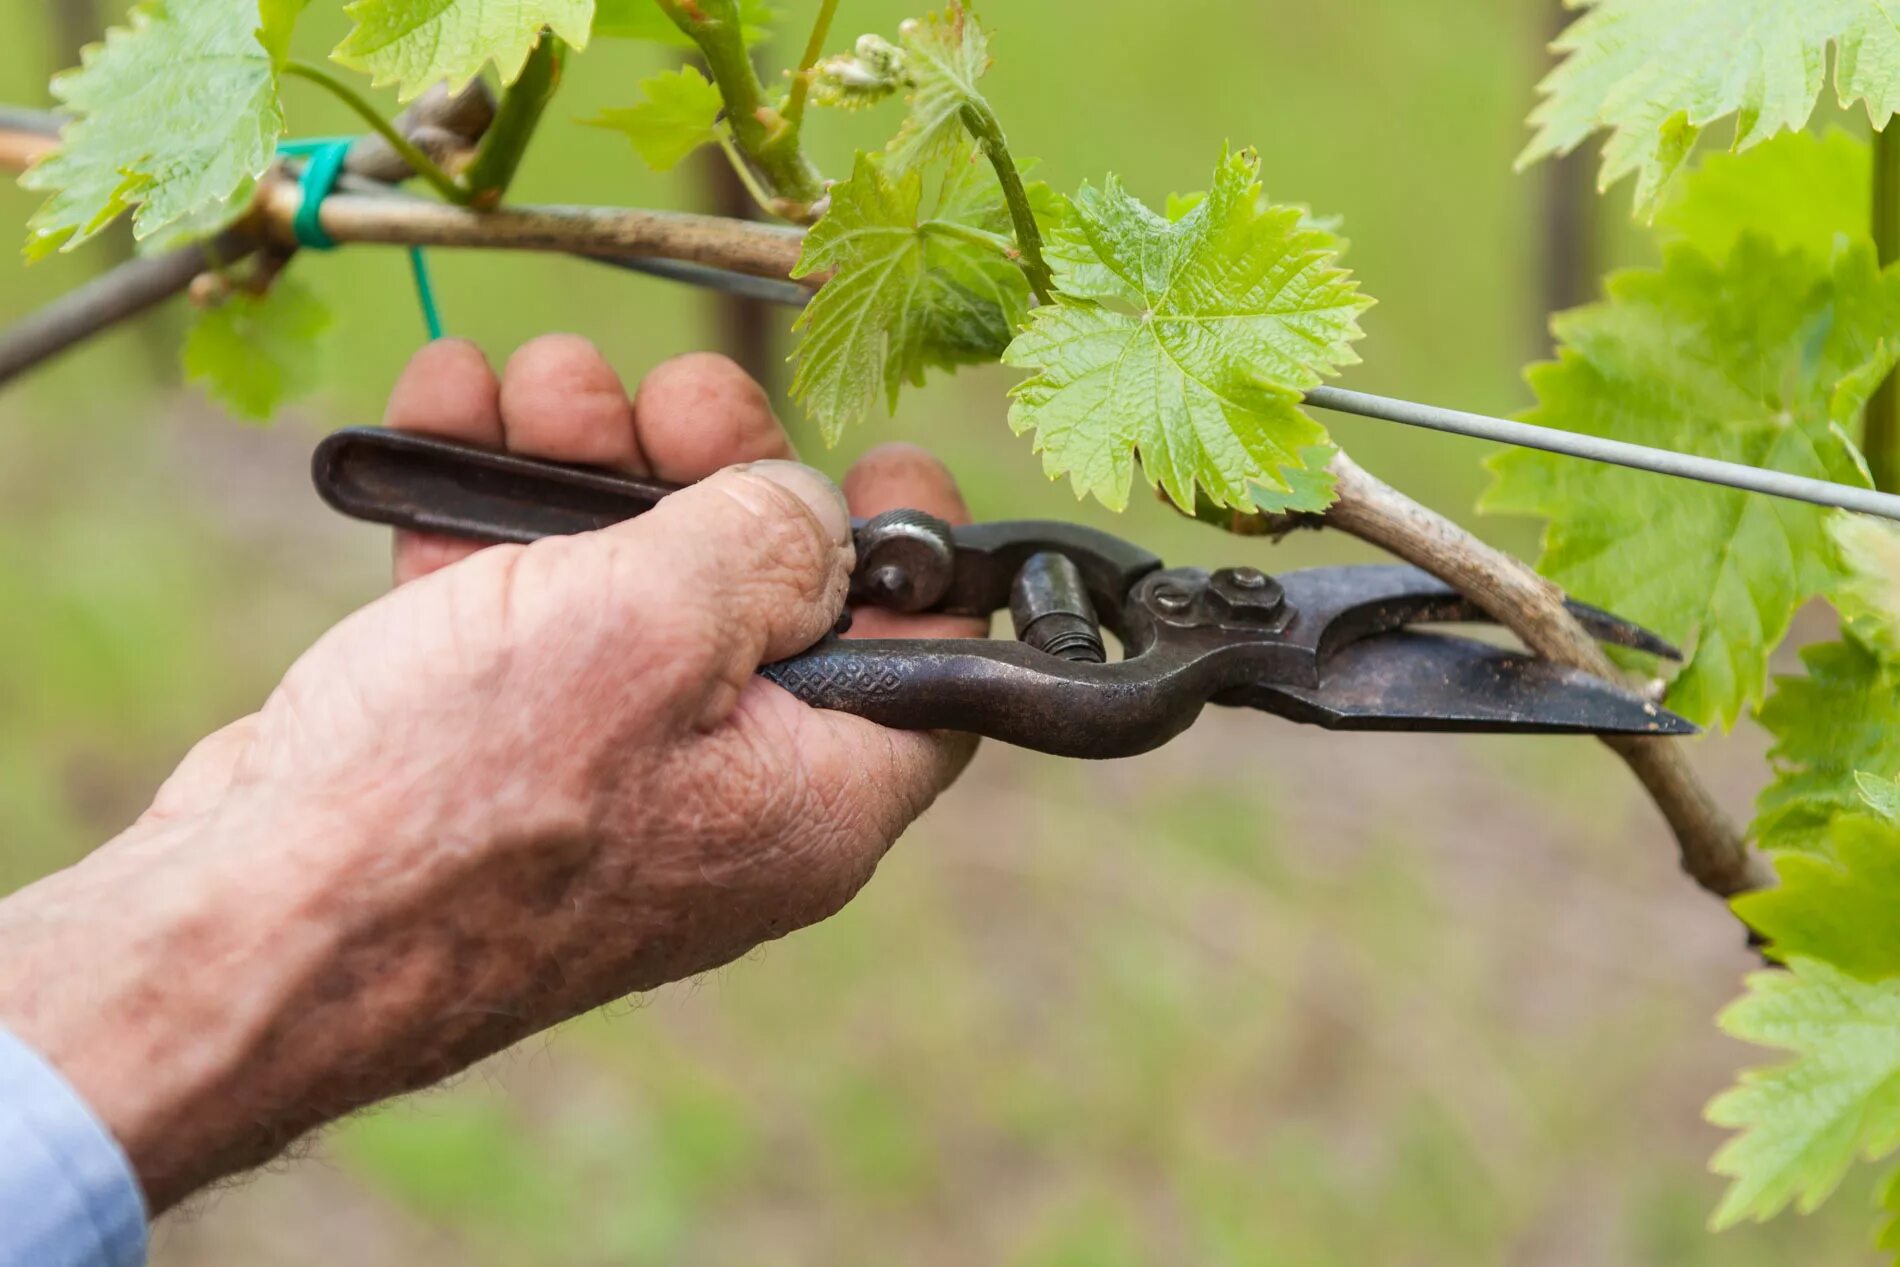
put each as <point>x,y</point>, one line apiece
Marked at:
<point>1181,343</point>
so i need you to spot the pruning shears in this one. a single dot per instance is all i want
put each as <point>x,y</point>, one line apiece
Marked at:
<point>1332,646</point>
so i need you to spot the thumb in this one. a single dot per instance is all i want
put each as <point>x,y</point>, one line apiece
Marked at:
<point>745,567</point>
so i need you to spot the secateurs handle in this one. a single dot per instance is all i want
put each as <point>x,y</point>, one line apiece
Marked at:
<point>428,485</point>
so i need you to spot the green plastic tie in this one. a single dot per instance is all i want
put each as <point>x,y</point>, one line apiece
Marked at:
<point>322,168</point>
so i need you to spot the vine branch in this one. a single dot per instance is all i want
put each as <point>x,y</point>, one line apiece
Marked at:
<point>761,250</point>
<point>523,102</point>
<point>418,162</point>
<point>814,49</point>
<point>768,139</point>
<point>981,122</point>
<point>124,292</point>
<point>1882,439</point>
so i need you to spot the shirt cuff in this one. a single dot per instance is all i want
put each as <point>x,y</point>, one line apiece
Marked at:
<point>68,1197</point>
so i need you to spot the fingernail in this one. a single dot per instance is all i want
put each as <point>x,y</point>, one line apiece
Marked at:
<point>825,499</point>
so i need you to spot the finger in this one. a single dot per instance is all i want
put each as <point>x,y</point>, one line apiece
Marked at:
<point>446,390</point>
<point>898,476</point>
<point>697,413</point>
<point>743,568</point>
<point>561,400</point>
<point>894,775</point>
<point>204,775</point>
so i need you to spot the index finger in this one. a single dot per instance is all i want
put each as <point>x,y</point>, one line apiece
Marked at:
<point>447,390</point>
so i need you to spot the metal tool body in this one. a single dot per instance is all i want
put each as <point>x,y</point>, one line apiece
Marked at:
<point>1330,646</point>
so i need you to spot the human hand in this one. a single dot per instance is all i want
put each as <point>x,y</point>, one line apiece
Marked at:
<point>528,781</point>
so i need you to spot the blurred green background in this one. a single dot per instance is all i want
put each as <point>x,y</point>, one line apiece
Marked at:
<point>1269,996</point>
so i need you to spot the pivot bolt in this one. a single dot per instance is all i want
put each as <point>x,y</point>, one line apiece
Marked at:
<point>906,561</point>
<point>1171,599</point>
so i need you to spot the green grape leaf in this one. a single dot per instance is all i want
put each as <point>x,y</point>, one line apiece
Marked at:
<point>416,44</point>
<point>178,115</point>
<point>1868,596</point>
<point>906,293</point>
<point>254,352</point>
<point>645,20</point>
<point>1765,360</point>
<point>1881,795</point>
<point>1801,191</point>
<point>1310,486</point>
<point>1842,717</point>
<point>277,19</point>
<point>1191,341</point>
<point>1655,73</point>
<point>1887,1235</point>
<point>1837,907</point>
<point>676,118</point>
<point>1803,1123</point>
<point>944,55</point>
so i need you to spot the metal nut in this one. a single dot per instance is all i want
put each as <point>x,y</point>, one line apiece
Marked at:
<point>1245,596</point>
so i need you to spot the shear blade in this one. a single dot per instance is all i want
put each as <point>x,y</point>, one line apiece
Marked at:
<point>1409,680</point>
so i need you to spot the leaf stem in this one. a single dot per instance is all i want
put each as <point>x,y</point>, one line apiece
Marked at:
<point>767,140</point>
<point>420,163</point>
<point>522,104</point>
<point>1882,439</point>
<point>981,122</point>
<point>723,134</point>
<point>977,237</point>
<point>814,49</point>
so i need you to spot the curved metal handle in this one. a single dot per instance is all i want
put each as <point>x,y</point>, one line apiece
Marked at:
<point>1009,691</point>
<point>428,485</point>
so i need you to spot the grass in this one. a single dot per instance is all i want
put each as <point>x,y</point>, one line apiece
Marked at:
<point>1266,997</point>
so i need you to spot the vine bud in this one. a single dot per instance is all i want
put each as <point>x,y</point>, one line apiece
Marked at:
<point>872,71</point>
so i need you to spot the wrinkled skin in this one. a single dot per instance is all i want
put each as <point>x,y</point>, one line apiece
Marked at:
<point>528,781</point>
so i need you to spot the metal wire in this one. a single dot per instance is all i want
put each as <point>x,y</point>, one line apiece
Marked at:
<point>36,122</point>
<point>1641,457</point>
<point>791,294</point>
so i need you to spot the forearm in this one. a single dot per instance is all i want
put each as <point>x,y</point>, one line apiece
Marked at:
<point>216,986</point>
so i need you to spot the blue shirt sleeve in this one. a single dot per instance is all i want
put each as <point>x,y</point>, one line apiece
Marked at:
<point>68,1197</point>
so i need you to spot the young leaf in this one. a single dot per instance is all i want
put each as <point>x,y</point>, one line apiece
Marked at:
<point>945,54</point>
<point>1882,796</point>
<point>178,114</point>
<point>416,44</point>
<point>1310,486</point>
<point>645,20</point>
<point>1803,1123</point>
<point>676,118</point>
<point>1869,593</point>
<point>1839,907</point>
<point>906,293</point>
<point>1842,717</point>
<point>1656,72</point>
<point>1800,190</point>
<point>1190,340</point>
<point>254,352</point>
<point>1765,360</point>
<point>276,20</point>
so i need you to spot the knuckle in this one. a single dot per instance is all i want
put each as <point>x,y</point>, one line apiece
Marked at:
<point>783,542</point>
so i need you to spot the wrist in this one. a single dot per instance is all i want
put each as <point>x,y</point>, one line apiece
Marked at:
<point>167,1013</point>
